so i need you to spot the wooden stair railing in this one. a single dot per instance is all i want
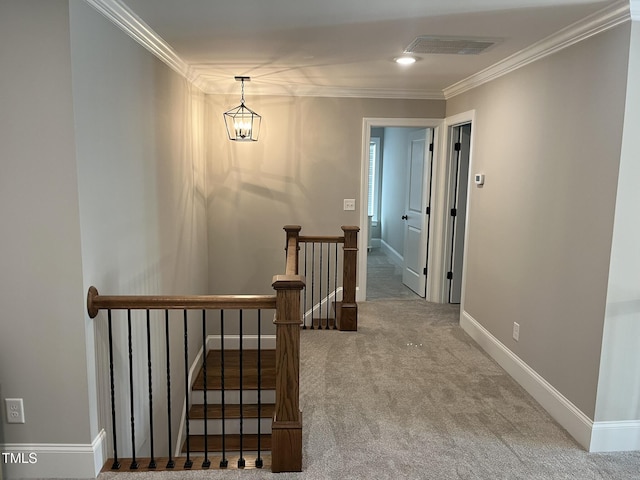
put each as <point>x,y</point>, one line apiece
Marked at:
<point>286,425</point>
<point>286,436</point>
<point>327,275</point>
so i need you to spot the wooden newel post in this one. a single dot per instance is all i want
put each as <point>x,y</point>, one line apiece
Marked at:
<point>286,429</point>
<point>292,248</point>
<point>348,318</point>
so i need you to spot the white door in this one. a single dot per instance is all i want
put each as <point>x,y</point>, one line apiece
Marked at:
<point>416,225</point>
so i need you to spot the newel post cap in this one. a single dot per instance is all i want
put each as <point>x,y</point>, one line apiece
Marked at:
<point>288,282</point>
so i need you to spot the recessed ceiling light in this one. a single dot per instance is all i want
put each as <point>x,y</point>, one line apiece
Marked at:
<point>405,60</point>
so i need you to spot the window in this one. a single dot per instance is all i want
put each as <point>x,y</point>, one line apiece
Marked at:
<point>373,200</point>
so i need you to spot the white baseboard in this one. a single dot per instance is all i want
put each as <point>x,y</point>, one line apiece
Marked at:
<point>322,306</point>
<point>620,436</point>
<point>557,405</point>
<point>22,460</point>
<point>393,254</point>
<point>617,436</point>
<point>375,243</point>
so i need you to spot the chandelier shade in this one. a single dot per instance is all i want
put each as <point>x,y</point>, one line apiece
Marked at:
<point>242,123</point>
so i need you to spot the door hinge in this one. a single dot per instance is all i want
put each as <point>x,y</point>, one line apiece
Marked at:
<point>428,212</point>
<point>424,271</point>
<point>454,212</point>
<point>449,275</point>
<point>431,147</point>
<point>457,147</point>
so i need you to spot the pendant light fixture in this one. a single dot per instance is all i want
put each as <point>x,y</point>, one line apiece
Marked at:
<point>243,124</point>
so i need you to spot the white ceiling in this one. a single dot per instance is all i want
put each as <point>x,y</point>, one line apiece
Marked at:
<point>344,47</point>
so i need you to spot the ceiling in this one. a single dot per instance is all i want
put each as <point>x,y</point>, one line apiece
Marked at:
<point>345,48</point>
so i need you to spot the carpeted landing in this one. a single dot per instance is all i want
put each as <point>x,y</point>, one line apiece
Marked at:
<point>411,396</point>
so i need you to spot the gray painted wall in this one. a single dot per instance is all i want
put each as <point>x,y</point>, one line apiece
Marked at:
<point>102,184</point>
<point>307,161</point>
<point>394,182</point>
<point>42,344</point>
<point>548,137</point>
<point>141,184</point>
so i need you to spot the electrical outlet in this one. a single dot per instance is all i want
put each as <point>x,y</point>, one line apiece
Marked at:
<point>516,331</point>
<point>15,410</point>
<point>349,203</point>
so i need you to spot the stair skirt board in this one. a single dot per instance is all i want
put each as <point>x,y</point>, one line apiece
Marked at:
<point>319,309</point>
<point>231,342</point>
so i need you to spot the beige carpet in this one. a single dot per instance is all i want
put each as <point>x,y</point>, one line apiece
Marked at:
<point>410,396</point>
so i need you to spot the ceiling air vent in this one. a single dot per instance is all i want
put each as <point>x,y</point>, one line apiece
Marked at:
<point>427,44</point>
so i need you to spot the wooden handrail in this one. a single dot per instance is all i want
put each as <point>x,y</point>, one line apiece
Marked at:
<point>292,248</point>
<point>97,302</point>
<point>320,239</point>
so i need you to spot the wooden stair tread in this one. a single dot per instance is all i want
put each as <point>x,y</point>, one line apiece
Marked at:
<point>232,443</point>
<point>232,370</point>
<point>231,411</point>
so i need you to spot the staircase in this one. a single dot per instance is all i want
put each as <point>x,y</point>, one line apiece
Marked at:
<point>244,424</point>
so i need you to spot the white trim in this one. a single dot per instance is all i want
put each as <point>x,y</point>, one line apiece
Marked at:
<point>56,460</point>
<point>315,310</point>
<point>612,436</point>
<point>367,123</point>
<point>609,17</point>
<point>392,253</point>
<point>634,10</point>
<point>593,436</point>
<point>128,21</point>
<point>598,22</point>
<point>615,436</point>
<point>557,405</point>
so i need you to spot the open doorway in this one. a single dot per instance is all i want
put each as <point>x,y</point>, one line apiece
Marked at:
<point>460,156</point>
<point>398,160</point>
<point>400,166</point>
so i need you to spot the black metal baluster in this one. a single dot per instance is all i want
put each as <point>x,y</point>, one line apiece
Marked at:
<point>170,463</point>
<point>304,299</point>
<point>116,464</point>
<point>188,463</point>
<point>313,271</point>
<point>134,463</point>
<point>152,462</point>
<point>206,463</point>
<point>259,462</point>
<point>241,461</point>
<point>224,463</point>
<point>320,288</point>
<point>328,284</point>
<point>335,290</point>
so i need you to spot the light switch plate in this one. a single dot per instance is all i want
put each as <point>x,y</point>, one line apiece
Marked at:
<point>349,203</point>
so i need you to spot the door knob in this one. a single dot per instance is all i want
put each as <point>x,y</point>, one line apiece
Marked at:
<point>404,217</point>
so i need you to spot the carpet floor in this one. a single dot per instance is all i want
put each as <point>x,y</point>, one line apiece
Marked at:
<point>411,396</point>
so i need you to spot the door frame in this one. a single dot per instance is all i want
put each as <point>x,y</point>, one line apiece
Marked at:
<point>433,290</point>
<point>447,229</point>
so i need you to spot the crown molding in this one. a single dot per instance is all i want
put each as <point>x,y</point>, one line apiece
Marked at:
<point>605,19</point>
<point>297,90</point>
<point>124,18</point>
